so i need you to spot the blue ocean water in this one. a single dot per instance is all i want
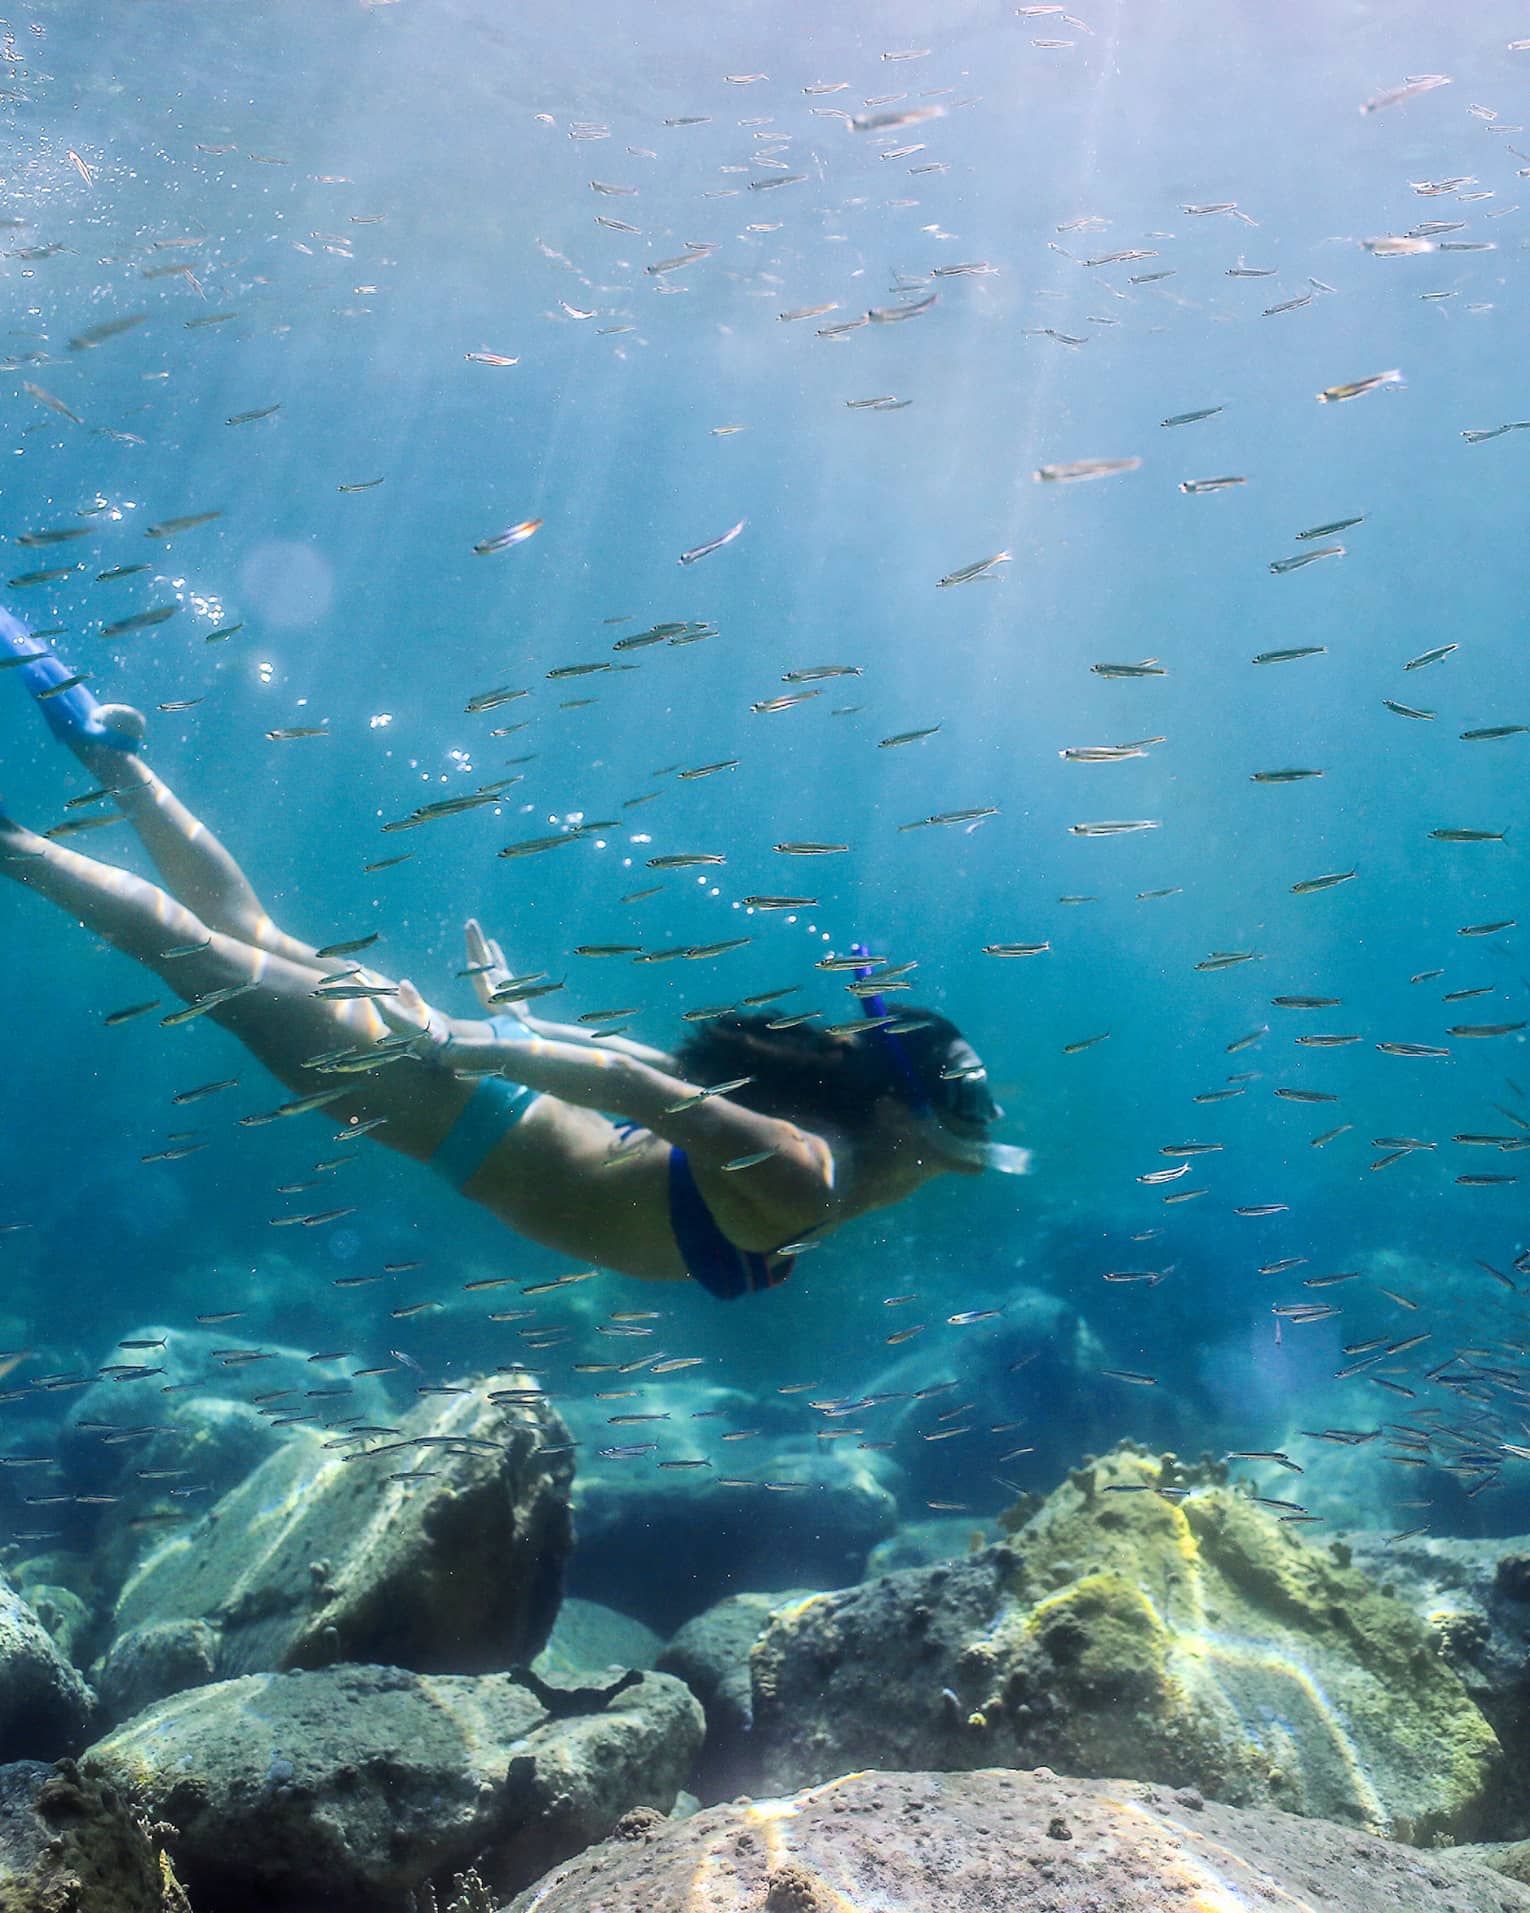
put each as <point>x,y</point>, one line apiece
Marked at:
<point>361,199</point>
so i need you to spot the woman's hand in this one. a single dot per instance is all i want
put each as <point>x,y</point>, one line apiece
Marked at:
<point>407,1013</point>
<point>490,972</point>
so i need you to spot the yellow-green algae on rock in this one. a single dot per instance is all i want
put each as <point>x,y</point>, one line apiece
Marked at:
<point>1189,1638</point>
<point>1211,1618</point>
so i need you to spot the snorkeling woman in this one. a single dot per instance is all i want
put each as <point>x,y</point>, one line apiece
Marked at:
<point>716,1162</point>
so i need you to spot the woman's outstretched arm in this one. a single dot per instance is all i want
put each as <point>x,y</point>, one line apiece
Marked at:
<point>490,972</point>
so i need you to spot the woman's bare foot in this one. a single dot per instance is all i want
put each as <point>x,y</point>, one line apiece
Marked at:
<point>109,743</point>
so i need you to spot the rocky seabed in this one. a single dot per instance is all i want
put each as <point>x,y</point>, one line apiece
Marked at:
<point>355,1684</point>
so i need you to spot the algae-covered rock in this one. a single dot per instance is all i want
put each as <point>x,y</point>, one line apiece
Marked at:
<point>439,1547</point>
<point>45,1707</point>
<point>1474,1598</point>
<point>1511,1857</point>
<point>348,1788</point>
<point>71,1845</point>
<point>1004,1842</point>
<point>1187,1637</point>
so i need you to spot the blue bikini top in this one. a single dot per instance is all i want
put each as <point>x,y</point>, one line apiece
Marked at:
<point>720,1266</point>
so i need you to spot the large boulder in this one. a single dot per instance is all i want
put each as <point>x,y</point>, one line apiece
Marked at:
<point>1146,1623</point>
<point>1003,1842</point>
<point>71,1845</point>
<point>798,1511</point>
<point>145,1663</point>
<point>158,1383</point>
<point>439,1546</point>
<point>179,1417</point>
<point>346,1790</point>
<point>45,1707</point>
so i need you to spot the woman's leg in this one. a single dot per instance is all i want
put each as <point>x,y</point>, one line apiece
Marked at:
<point>194,866</point>
<point>276,1016</point>
<point>107,738</point>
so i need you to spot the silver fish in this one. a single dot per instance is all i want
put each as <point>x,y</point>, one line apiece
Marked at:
<point>1279,566</point>
<point>1333,394</point>
<point>1409,90</point>
<point>1148,668</point>
<point>976,569</point>
<point>1081,468</point>
<point>1114,829</point>
<point>1329,530</point>
<point>714,544</point>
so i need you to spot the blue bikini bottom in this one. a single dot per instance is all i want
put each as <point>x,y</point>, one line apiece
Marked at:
<point>494,1108</point>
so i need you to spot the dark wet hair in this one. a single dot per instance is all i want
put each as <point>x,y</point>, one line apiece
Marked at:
<point>803,1074</point>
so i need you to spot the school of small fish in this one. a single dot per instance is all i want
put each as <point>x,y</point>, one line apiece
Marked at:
<point>1454,1397</point>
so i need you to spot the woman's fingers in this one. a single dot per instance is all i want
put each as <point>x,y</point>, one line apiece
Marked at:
<point>393,1019</point>
<point>498,977</point>
<point>412,1012</point>
<point>480,957</point>
<point>404,1012</point>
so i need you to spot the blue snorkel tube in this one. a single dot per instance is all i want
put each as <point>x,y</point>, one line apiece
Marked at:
<point>977,1151</point>
<point>876,1006</point>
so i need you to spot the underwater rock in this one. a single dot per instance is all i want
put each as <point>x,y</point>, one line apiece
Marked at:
<point>919,1543</point>
<point>348,1788</point>
<point>587,1635</point>
<point>1474,1598</point>
<point>443,1553</point>
<point>704,1540</point>
<point>206,1447</point>
<point>1007,1843</point>
<point>1474,1595</point>
<point>1510,1857</point>
<point>1037,1332</point>
<point>190,1368</point>
<point>69,1620</point>
<point>711,1655</point>
<point>144,1664</point>
<point>152,1456</point>
<point>1192,1641</point>
<point>70,1845</point>
<point>45,1706</point>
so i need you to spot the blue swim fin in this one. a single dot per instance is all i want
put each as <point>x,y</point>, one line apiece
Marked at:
<point>73,715</point>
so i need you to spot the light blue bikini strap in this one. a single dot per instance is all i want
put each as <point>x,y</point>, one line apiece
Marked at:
<point>509,1029</point>
<point>491,1112</point>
